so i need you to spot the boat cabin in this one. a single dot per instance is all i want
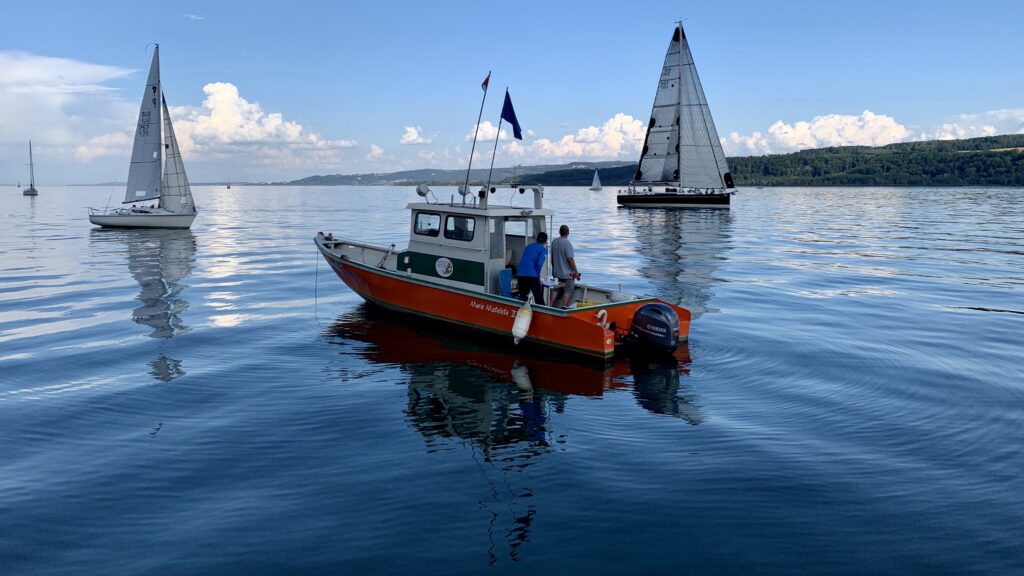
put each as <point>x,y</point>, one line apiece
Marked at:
<point>474,246</point>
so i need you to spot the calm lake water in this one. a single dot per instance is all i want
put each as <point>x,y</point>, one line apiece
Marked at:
<point>851,400</point>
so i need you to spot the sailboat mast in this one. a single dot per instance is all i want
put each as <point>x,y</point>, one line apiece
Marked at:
<point>679,110</point>
<point>160,124</point>
<point>31,167</point>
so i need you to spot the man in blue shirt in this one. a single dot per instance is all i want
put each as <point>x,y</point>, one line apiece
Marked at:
<point>529,269</point>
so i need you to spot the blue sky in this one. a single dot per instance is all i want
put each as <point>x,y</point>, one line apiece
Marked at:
<point>284,90</point>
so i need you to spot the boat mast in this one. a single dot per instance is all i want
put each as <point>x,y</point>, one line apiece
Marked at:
<point>31,168</point>
<point>679,110</point>
<point>160,123</point>
<point>486,84</point>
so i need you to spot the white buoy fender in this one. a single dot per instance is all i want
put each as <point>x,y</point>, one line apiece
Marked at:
<point>521,325</point>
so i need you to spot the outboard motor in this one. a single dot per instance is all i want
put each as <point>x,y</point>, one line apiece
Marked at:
<point>655,329</point>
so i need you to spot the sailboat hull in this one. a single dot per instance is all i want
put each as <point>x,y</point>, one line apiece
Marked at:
<point>30,192</point>
<point>666,200</point>
<point>142,220</point>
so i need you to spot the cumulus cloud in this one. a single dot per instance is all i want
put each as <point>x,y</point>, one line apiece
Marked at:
<point>621,136</point>
<point>867,129</point>
<point>1005,121</point>
<point>229,125</point>
<point>376,152</point>
<point>412,136</point>
<point>487,132</point>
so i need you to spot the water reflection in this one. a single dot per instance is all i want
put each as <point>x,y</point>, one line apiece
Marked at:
<point>466,394</point>
<point>682,249</point>
<point>159,260</point>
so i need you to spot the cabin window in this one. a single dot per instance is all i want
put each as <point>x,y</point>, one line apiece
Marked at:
<point>427,224</point>
<point>459,228</point>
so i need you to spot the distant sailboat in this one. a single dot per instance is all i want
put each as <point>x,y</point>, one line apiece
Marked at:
<point>596,185</point>
<point>682,164</point>
<point>31,190</point>
<point>151,176</point>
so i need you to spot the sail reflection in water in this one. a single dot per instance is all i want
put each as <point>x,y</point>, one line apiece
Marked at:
<point>682,250</point>
<point>159,260</point>
<point>499,404</point>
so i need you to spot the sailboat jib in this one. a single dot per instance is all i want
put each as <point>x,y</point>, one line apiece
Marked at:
<point>144,172</point>
<point>596,184</point>
<point>176,195</point>
<point>682,146</point>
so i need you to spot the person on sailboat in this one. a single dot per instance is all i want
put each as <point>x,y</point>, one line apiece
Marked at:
<point>563,268</point>
<point>529,269</point>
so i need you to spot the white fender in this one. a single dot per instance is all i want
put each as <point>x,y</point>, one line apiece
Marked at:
<point>521,325</point>
<point>602,318</point>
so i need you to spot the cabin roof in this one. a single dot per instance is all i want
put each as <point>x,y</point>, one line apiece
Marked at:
<point>491,210</point>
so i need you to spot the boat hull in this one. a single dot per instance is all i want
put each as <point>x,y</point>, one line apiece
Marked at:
<point>582,331</point>
<point>176,221</point>
<point>664,200</point>
<point>30,192</point>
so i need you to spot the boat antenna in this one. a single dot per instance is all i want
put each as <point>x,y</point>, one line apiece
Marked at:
<point>465,188</point>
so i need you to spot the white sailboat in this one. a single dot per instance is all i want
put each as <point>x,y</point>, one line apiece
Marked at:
<point>31,190</point>
<point>682,163</point>
<point>158,188</point>
<point>596,184</point>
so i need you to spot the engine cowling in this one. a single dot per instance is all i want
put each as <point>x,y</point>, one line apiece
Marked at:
<point>655,328</point>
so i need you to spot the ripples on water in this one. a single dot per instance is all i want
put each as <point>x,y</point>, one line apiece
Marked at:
<point>214,400</point>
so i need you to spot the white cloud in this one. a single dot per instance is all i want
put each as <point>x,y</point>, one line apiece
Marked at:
<point>193,17</point>
<point>487,132</point>
<point>427,155</point>
<point>376,152</point>
<point>412,136</point>
<point>58,101</point>
<point>228,125</point>
<point>1005,121</point>
<point>621,136</point>
<point>867,129</point>
<point>112,144</point>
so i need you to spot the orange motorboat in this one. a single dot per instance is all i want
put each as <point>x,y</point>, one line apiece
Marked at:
<point>457,269</point>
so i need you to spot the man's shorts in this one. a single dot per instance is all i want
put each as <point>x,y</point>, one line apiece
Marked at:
<point>569,283</point>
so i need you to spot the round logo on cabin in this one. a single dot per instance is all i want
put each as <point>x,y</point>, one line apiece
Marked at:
<point>444,267</point>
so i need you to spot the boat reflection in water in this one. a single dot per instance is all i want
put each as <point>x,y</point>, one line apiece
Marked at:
<point>159,260</point>
<point>682,250</point>
<point>497,403</point>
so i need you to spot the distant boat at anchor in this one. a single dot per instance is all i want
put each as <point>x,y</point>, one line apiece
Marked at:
<point>152,176</point>
<point>31,190</point>
<point>682,164</point>
<point>596,184</point>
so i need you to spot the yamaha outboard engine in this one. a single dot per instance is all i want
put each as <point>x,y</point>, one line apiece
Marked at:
<point>655,329</point>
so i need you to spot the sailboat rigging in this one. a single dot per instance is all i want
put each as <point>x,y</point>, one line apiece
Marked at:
<point>682,163</point>
<point>31,190</point>
<point>156,171</point>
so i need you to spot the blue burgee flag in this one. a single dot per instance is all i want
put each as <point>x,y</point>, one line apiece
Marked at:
<point>508,114</point>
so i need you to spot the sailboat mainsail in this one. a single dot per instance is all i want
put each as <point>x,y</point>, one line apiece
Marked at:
<point>682,146</point>
<point>144,172</point>
<point>596,184</point>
